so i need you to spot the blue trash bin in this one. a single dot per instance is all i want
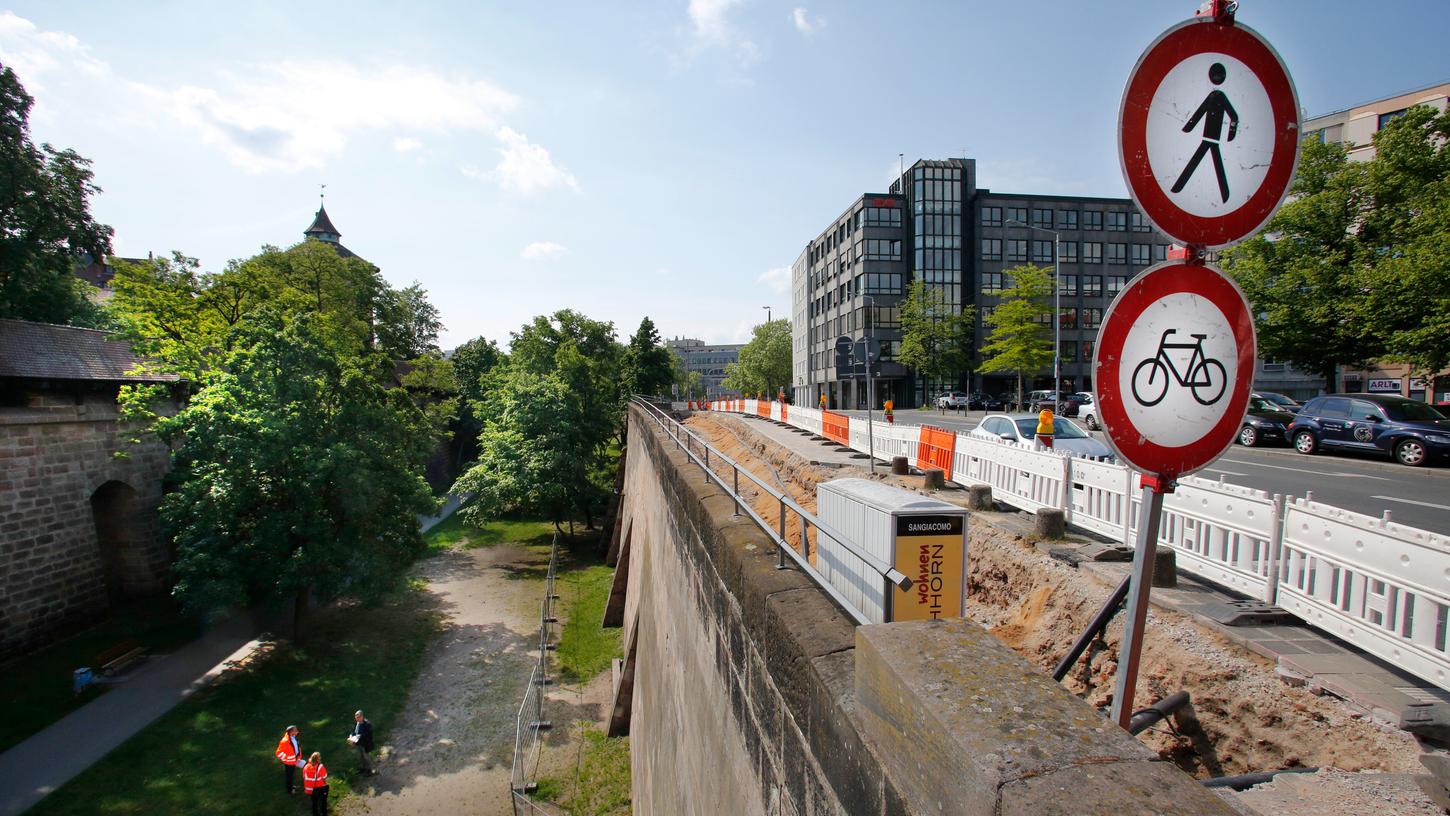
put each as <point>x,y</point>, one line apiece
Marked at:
<point>81,678</point>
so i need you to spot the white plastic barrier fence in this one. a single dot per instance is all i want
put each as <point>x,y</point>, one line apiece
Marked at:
<point>1379,585</point>
<point>1382,586</point>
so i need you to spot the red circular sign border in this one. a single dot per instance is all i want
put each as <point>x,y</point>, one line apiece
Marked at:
<point>1153,284</point>
<point>1205,34</point>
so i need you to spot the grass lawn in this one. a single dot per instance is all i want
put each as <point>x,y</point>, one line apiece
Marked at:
<point>214,752</point>
<point>585,646</point>
<point>600,783</point>
<point>455,532</point>
<point>36,688</point>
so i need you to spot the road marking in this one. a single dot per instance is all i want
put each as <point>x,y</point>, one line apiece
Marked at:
<point>1412,501</point>
<point>1226,472</point>
<point>1307,472</point>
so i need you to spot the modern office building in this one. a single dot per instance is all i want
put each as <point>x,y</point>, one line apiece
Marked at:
<point>1357,126</point>
<point>709,360</point>
<point>934,223</point>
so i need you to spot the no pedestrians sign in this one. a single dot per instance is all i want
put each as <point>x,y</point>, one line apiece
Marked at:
<point>1209,132</point>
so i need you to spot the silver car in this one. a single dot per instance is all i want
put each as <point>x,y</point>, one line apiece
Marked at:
<point>1021,429</point>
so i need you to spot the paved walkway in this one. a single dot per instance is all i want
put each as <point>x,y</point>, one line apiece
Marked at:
<point>39,765</point>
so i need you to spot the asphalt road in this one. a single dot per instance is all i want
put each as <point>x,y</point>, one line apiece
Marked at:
<point>1419,497</point>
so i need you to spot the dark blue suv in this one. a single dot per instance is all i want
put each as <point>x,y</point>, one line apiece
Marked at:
<point>1413,432</point>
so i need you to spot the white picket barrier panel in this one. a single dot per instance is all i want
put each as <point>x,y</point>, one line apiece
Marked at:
<point>1381,586</point>
<point>807,419</point>
<point>1101,498</point>
<point>751,406</point>
<point>1225,533</point>
<point>1019,476</point>
<point>897,440</point>
<point>856,432</point>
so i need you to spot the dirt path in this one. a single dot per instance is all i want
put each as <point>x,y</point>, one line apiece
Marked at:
<point>452,749</point>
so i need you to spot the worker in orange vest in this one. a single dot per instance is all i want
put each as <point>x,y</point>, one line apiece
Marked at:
<point>890,417</point>
<point>823,402</point>
<point>314,780</point>
<point>290,754</point>
<point>1044,428</point>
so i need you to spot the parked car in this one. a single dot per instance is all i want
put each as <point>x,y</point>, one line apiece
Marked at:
<point>1021,429</point>
<point>979,401</point>
<point>1088,411</point>
<point>1284,402</point>
<point>1412,432</point>
<point>1061,404</point>
<point>952,400</point>
<point>1263,421</point>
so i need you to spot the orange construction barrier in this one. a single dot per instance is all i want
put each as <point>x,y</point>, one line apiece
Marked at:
<point>836,427</point>
<point>783,415</point>
<point>936,448</point>
<point>762,407</point>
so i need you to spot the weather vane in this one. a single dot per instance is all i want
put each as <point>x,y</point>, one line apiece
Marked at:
<point>322,194</point>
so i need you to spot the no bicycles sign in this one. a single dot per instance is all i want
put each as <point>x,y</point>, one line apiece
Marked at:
<point>1174,365</point>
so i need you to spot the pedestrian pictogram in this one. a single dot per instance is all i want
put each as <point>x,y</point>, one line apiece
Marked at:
<point>1213,110</point>
<point>1209,132</point>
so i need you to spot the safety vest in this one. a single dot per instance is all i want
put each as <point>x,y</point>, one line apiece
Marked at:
<point>314,776</point>
<point>286,751</point>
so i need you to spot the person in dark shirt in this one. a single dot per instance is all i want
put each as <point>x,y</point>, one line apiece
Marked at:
<point>362,739</point>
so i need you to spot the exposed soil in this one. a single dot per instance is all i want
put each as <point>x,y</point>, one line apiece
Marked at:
<point>1242,717</point>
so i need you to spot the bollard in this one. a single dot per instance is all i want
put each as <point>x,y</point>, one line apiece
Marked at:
<point>899,467</point>
<point>1165,567</point>
<point>979,497</point>
<point>933,479</point>
<point>1050,523</point>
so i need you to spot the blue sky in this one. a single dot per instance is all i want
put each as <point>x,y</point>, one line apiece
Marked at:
<point>623,159</point>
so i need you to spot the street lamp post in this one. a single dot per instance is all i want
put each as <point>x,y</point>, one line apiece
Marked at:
<point>870,385</point>
<point>1056,307</point>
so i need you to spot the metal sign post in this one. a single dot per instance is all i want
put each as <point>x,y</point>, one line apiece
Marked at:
<point>1208,139</point>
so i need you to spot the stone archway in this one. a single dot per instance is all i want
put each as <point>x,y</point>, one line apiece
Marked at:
<point>120,539</point>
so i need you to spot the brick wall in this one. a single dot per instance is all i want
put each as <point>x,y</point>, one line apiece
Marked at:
<point>56,452</point>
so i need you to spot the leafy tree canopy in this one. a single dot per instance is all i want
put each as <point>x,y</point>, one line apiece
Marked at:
<point>46,227</point>
<point>1019,340</point>
<point>936,339</point>
<point>764,365</point>
<point>648,364</point>
<point>471,361</point>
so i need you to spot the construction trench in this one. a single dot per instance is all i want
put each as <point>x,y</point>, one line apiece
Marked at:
<point>1240,718</point>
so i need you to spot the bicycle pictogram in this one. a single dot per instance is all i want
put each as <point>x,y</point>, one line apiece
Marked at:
<point>1200,379</point>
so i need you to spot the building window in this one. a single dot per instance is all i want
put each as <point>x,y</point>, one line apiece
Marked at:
<point>881,249</point>
<point>1068,251</point>
<point>1117,253</point>
<point>1118,221</point>
<point>1092,285</point>
<point>1017,249</point>
<point>1067,219</point>
<point>1042,251</point>
<point>883,217</point>
<point>1067,284</point>
<point>1092,317</point>
<point>883,283</point>
<point>993,282</point>
<point>1386,118</point>
<point>1160,252</point>
<point>1092,220</point>
<point>1017,215</point>
<point>991,216</point>
<point>1069,352</point>
<point>1092,252</point>
<point>1042,218</point>
<point>1116,284</point>
<point>1142,254</point>
<point>1140,223</point>
<point>1087,350</point>
<point>885,317</point>
<point>1067,318</point>
<point>991,249</point>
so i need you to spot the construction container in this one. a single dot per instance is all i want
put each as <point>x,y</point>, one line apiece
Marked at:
<point>924,538</point>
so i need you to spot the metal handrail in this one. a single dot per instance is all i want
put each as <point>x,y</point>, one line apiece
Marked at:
<point>683,437</point>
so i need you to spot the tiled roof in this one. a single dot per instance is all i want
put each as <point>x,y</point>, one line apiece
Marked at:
<point>322,224</point>
<point>49,352</point>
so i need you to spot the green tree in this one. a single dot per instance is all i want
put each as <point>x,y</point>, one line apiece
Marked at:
<point>47,225</point>
<point>407,323</point>
<point>298,473</point>
<point>1020,341</point>
<point>764,365</point>
<point>936,339</point>
<point>1302,273</point>
<point>648,365</point>
<point>471,361</point>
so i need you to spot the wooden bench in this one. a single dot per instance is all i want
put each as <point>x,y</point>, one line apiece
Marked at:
<point>117,658</point>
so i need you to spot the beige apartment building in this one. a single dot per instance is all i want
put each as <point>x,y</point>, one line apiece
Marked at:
<point>1357,126</point>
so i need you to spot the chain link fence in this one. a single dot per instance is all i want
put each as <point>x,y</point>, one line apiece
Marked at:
<point>532,721</point>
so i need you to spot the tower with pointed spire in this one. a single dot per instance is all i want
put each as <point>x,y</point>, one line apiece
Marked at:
<point>323,230</point>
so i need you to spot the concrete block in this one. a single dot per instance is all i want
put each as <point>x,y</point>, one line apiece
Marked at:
<point>1050,523</point>
<point>957,717</point>
<point>899,466</point>
<point>979,497</point>
<point>1165,567</point>
<point>933,479</point>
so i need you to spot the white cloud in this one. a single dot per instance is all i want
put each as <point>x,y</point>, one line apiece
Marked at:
<point>803,22</point>
<point>524,167</point>
<point>543,251</point>
<point>406,144</point>
<point>777,279</point>
<point>284,116</point>
<point>710,27</point>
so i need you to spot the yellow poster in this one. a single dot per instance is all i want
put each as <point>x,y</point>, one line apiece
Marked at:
<point>931,551</point>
